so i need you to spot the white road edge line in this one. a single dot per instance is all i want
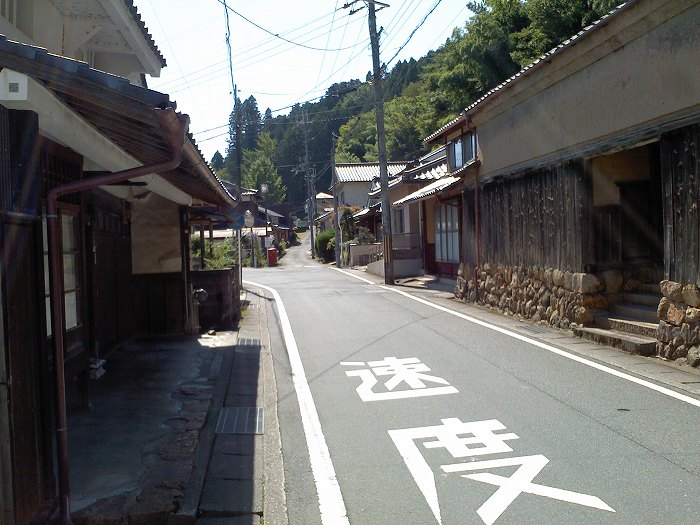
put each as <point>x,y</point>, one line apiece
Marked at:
<point>330,499</point>
<point>622,375</point>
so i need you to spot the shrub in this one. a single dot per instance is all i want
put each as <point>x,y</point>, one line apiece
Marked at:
<point>364,236</point>
<point>322,243</point>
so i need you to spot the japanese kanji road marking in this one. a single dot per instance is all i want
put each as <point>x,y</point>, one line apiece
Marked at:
<point>482,439</point>
<point>407,372</point>
<point>511,487</point>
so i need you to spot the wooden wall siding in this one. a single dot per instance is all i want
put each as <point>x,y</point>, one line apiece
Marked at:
<point>681,190</point>
<point>5,164</point>
<point>19,181</point>
<point>158,304</point>
<point>540,219</point>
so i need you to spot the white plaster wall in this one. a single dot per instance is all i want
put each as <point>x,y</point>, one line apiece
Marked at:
<point>650,80</point>
<point>355,193</point>
<point>155,235</point>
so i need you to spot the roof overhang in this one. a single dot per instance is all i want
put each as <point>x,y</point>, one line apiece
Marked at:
<point>428,191</point>
<point>110,122</point>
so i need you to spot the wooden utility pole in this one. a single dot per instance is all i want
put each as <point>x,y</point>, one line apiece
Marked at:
<point>336,212</point>
<point>309,184</point>
<point>381,143</point>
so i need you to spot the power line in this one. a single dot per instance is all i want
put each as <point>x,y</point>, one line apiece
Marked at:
<point>437,3</point>
<point>276,35</point>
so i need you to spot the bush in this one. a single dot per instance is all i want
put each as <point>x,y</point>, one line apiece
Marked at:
<point>364,236</point>
<point>322,244</point>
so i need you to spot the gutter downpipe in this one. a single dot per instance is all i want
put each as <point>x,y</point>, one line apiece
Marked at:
<point>477,227</point>
<point>477,213</point>
<point>175,127</point>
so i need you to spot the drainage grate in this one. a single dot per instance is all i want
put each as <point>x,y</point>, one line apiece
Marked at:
<point>241,420</point>
<point>533,329</point>
<point>248,346</point>
<point>244,341</point>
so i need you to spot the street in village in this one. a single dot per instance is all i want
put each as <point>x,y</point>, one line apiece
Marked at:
<point>418,409</point>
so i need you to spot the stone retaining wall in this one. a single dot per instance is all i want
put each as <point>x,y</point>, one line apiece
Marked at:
<point>539,294</point>
<point>679,323</point>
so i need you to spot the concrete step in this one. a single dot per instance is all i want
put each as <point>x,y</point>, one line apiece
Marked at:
<point>636,312</point>
<point>634,344</point>
<point>634,327</point>
<point>646,299</point>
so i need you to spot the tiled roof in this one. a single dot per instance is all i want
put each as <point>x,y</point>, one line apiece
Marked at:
<point>366,171</point>
<point>428,191</point>
<point>144,30</point>
<point>432,166</point>
<point>546,58</point>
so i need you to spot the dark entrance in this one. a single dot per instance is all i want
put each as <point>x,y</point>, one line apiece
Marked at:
<point>628,215</point>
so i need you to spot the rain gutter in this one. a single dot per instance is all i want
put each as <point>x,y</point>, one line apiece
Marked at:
<point>175,128</point>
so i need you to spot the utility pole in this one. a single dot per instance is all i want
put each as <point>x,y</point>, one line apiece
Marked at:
<point>336,212</point>
<point>381,143</point>
<point>309,184</point>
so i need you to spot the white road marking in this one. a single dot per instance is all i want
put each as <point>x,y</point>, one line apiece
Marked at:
<point>622,375</point>
<point>518,482</point>
<point>330,499</point>
<point>407,370</point>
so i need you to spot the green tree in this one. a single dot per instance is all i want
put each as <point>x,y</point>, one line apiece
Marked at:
<point>259,168</point>
<point>251,123</point>
<point>217,161</point>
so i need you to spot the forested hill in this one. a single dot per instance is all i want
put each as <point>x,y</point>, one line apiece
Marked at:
<point>500,38</point>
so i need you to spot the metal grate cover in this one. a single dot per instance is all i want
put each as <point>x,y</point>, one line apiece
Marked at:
<point>241,420</point>
<point>248,346</point>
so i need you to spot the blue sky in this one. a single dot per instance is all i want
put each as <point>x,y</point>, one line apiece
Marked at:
<point>317,45</point>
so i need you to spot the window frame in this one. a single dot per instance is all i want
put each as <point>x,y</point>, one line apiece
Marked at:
<point>447,248</point>
<point>75,312</point>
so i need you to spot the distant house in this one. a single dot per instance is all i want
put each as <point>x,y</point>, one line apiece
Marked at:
<point>79,129</point>
<point>324,202</point>
<point>354,181</point>
<point>581,181</point>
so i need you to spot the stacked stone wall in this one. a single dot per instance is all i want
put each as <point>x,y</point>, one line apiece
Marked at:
<point>679,323</point>
<point>540,294</point>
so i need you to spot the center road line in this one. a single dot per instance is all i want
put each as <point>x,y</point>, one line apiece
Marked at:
<point>330,499</point>
<point>603,368</point>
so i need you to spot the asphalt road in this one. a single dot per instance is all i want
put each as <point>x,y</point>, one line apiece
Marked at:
<point>429,417</point>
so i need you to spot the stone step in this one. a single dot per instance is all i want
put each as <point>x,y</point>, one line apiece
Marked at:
<point>634,327</point>
<point>636,312</point>
<point>642,298</point>
<point>634,344</point>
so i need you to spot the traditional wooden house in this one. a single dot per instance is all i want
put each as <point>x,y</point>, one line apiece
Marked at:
<point>98,181</point>
<point>432,213</point>
<point>582,197</point>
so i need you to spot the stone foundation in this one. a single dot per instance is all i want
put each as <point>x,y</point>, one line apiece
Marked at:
<point>539,294</point>
<point>563,299</point>
<point>679,325</point>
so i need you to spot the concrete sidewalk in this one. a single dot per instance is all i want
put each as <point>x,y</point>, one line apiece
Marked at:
<point>157,447</point>
<point>244,481</point>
